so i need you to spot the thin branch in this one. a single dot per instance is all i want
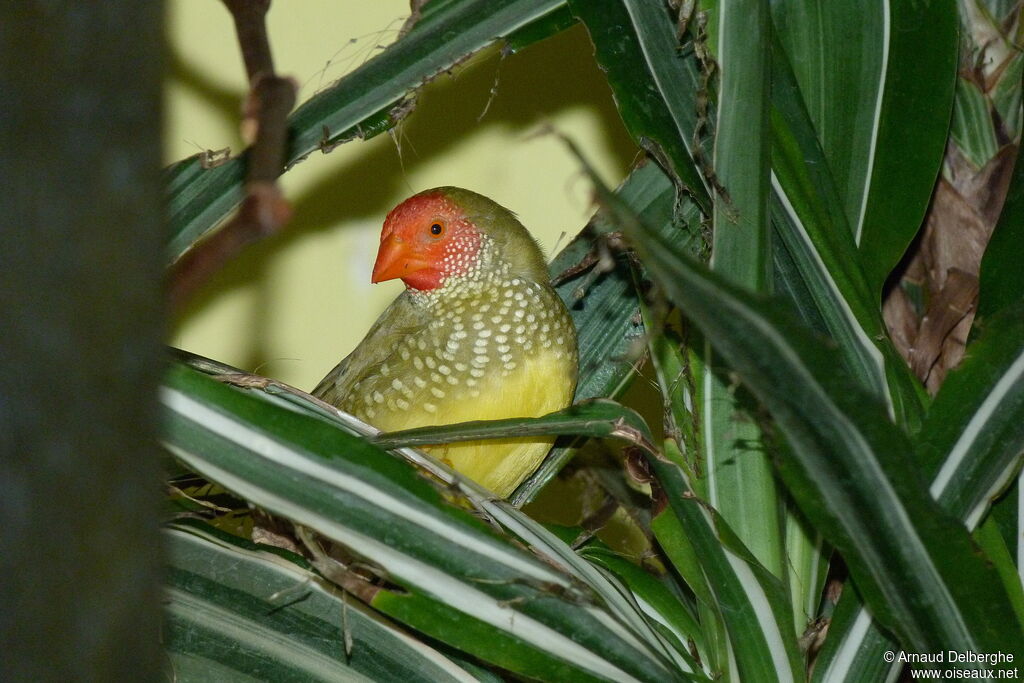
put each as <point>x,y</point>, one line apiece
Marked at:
<point>264,211</point>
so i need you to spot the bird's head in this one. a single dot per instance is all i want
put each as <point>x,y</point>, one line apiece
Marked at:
<point>448,234</point>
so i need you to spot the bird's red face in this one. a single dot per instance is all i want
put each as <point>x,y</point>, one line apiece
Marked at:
<point>426,239</point>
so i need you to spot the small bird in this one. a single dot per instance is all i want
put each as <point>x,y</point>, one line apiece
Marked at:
<point>478,334</point>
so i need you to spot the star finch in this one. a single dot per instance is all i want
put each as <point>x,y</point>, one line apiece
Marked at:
<point>478,334</point>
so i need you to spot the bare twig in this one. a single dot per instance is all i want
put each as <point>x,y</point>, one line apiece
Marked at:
<point>264,211</point>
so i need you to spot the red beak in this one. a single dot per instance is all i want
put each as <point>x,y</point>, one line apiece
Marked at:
<point>396,258</point>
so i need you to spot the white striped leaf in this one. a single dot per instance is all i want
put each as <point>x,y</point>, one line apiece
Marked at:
<point>850,469</point>
<point>971,446</point>
<point>877,79</point>
<point>235,608</point>
<point>299,467</point>
<point>654,82</point>
<point>750,601</point>
<point>810,220</point>
<point>359,105</point>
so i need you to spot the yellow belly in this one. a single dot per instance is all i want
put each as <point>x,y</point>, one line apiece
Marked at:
<point>542,384</point>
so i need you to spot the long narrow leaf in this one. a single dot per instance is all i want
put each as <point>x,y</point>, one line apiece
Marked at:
<point>810,220</point>
<point>450,564</point>
<point>234,606</point>
<point>596,418</point>
<point>751,600</point>
<point>741,484</point>
<point>973,442</point>
<point>366,101</point>
<point>878,81</point>
<point>655,85</point>
<point>850,471</point>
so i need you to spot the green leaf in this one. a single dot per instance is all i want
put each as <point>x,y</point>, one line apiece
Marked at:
<point>850,472</point>
<point>1001,278</point>
<point>810,221</point>
<point>972,126</point>
<point>552,23</point>
<point>600,418</point>
<point>741,484</point>
<point>878,81</point>
<point>236,608</point>
<point>656,600</point>
<point>654,84</point>
<point>837,51</point>
<point>971,448</point>
<point>750,601</point>
<point>973,440</point>
<point>991,541</point>
<point>516,611</point>
<point>367,101</point>
<point>603,302</point>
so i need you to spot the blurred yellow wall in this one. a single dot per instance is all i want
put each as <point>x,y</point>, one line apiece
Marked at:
<point>294,305</point>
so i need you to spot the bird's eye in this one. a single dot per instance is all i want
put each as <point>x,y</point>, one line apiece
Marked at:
<point>436,229</point>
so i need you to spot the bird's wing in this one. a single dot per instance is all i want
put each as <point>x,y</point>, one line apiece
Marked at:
<point>398,320</point>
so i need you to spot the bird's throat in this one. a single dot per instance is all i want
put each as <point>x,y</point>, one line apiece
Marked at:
<point>425,280</point>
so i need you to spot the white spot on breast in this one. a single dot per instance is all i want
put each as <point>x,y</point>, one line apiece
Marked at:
<point>444,369</point>
<point>452,345</point>
<point>430,407</point>
<point>437,391</point>
<point>404,353</point>
<point>417,363</point>
<point>484,334</point>
<point>378,397</point>
<point>431,363</point>
<point>504,328</point>
<point>470,382</point>
<point>476,372</point>
<point>480,359</point>
<point>402,404</point>
<point>419,381</point>
<point>503,348</point>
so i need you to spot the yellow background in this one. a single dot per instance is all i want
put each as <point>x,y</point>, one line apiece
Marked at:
<point>293,305</point>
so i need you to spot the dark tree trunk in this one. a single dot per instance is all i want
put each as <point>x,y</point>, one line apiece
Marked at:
<point>81,319</point>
